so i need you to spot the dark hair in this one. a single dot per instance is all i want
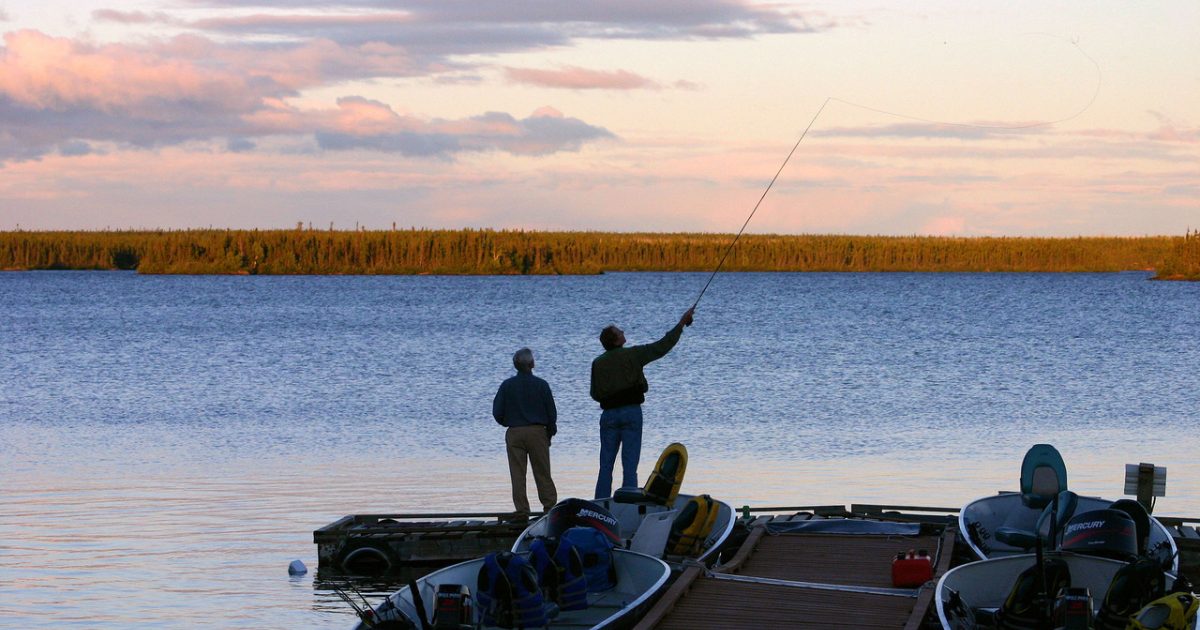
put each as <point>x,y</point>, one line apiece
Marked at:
<point>608,337</point>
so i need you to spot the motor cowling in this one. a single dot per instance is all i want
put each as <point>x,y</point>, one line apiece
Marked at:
<point>1105,533</point>
<point>580,513</point>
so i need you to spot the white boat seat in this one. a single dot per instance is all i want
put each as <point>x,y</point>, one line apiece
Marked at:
<point>652,534</point>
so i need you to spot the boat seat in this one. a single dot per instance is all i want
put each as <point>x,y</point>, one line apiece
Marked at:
<point>1019,531</point>
<point>1132,587</point>
<point>652,534</point>
<point>635,496</point>
<point>1043,475</point>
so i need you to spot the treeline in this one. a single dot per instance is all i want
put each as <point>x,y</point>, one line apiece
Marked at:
<point>1183,261</point>
<point>470,251</point>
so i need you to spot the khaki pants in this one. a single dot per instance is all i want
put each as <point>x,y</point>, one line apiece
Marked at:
<point>530,444</point>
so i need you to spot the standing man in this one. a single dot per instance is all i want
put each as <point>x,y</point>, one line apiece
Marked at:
<point>525,405</point>
<point>620,386</point>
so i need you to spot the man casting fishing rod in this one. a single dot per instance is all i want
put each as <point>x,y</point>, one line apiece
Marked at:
<point>620,386</point>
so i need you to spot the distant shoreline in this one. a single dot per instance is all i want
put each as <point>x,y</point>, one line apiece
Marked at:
<point>519,252</point>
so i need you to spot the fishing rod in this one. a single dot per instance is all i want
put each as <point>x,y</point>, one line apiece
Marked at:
<point>1095,94</point>
<point>760,200</point>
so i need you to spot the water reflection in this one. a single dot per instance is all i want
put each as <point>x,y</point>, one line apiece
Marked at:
<point>168,445</point>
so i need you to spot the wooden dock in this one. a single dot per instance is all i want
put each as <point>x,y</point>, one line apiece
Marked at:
<point>805,580</point>
<point>379,544</point>
<point>417,543</point>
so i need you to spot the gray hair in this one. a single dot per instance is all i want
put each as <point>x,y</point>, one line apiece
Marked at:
<point>523,360</point>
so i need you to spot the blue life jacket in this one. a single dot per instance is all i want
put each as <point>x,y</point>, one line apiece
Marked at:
<point>595,549</point>
<point>508,593</point>
<point>572,583</point>
<point>547,571</point>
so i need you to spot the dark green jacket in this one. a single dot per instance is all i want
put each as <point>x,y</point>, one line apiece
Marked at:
<point>617,377</point>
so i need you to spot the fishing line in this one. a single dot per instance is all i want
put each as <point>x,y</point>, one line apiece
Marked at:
<point>760,200</point>
<point>1091,101</point>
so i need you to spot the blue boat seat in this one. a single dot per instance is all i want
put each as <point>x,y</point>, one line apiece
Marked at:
<point>1043,475</point>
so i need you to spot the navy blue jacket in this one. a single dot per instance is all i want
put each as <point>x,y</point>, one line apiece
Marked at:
<point>523,400</point>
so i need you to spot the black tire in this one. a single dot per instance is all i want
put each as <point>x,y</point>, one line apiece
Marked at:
<point>366,557</point>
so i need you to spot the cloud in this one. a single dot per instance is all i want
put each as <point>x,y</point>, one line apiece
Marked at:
<point>575,78</point>
<point>437,29</point>
<point>72,148</point>
<point>542,133</point>
<point>923,130</point>
<point>134,17</point>
<point>239,145</point>
<point>61,94</point>
<point>944,226</point>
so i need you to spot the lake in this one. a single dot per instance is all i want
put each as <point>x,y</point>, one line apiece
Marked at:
<point>169,443</point>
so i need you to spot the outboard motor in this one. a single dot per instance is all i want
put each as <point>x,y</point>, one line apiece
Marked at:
<point>1141,519</point>
<point>580,513</point>
<point>1105,533</point>
<point>452,608</point>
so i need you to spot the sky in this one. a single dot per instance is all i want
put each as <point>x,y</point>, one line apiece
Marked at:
<point>1020,118</point>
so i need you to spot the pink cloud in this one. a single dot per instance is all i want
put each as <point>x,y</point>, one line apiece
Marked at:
<point>944,226</point>
<point>285,22</point>
<point>575,78</point>
<point>133,17</point>
<point>41,72</point>
<point>547,112</point>
<point>50,73</point>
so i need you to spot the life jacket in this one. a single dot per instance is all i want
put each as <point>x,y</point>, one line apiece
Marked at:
<point>547,570</point>
<point>1176,611</point>
<point>663,485</point>
<point>1132,587</point>
<point>1027,607</point>
<point>692,525</point>
<point>596,553</point>
<point>560,574</point>
<point>572,582</point>
<point>508,595</point>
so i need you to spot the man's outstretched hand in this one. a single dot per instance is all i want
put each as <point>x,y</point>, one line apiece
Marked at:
<point>686,320</point>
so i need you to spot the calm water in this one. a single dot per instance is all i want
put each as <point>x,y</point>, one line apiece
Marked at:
<point>168,444</point>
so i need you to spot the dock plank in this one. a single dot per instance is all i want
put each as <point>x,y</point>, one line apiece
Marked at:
<point>832,558</point>
<point>785,580</point>
<point>734,606</point>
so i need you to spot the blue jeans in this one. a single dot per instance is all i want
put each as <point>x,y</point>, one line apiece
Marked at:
<point>620,428</point>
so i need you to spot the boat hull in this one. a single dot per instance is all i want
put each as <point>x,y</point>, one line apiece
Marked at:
<point>983,585</point>
<point>979,520</point>
<point>630,518</point>
<point>640,579</point>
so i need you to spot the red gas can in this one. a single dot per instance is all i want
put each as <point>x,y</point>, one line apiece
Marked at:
<point>911,569</point>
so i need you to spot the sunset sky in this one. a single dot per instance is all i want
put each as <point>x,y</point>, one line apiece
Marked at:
<point>950,118</point>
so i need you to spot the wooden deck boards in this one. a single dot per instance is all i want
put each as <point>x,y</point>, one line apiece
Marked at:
<point>831,558</point>
<point>733,605</point>
<point>699,601</point>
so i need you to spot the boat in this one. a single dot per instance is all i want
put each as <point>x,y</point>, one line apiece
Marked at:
<point>655,520</point>
<point>1005,524</point>
<point>454,597</point>
<point>1002,592</point>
